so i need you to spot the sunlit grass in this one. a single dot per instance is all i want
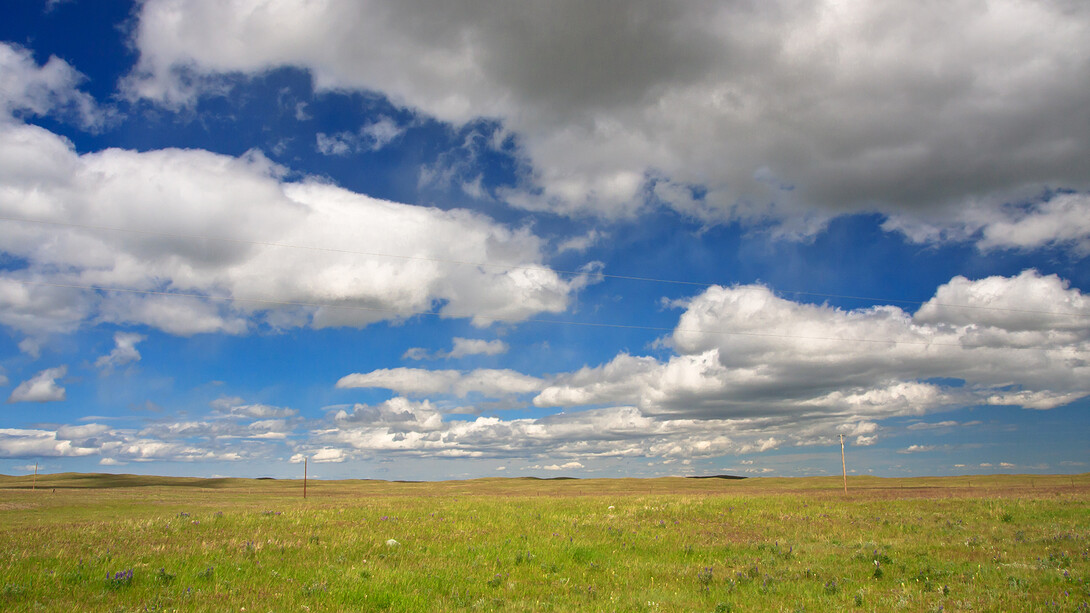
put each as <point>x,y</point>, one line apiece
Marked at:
<point>1005,543</point>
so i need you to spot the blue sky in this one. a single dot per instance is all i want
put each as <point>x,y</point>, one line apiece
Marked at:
<point>427,241</point>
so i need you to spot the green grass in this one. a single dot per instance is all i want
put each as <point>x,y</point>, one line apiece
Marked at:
<point>1000,543</point>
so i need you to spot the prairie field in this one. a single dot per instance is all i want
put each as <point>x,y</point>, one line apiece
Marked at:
<point>80,542</point>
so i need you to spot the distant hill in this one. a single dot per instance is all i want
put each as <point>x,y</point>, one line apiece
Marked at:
<point>105,480</point>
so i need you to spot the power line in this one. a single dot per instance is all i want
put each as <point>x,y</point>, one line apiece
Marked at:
<point>537,321</point>
<point>506,267</point>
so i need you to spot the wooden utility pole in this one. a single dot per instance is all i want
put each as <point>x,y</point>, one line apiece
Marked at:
<point>843,464</point>
<point>304,478</point>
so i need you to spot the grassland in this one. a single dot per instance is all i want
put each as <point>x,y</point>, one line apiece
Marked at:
<point>129,543</point>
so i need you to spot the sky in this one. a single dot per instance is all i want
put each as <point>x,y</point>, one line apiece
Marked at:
<point>421,240</point>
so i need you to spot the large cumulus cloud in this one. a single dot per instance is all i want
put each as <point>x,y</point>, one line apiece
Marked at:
<point>752,371</point>
<point>952,118</point>
<point>745,352</point>
<point>262,248</point>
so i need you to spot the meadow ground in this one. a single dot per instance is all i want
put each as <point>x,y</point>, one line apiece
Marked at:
<point>130,543</point>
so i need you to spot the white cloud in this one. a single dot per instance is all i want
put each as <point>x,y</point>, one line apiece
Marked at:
<point>327,454</point>
<point>418,381</point>
<point>917,449</point>
<point>761,445</point>
<point>233,406</point>
<point>371,137</point>
<point>858,428</point>
<point>395,414</point>
<point>1042,220</point>
<point>414,429</point>
<point>124,351</point>
<point>403,428</point>
<point>786,374</point>
<point>19,443</point>
<point>227,438</point>
<point>1042,400</point>
<point>81,433</point>
<point>381,132</point>
<point>581,243</point>
<point>269,429</point>
<point>50,5</point>
<point>476,346</point>
<point>1026,303</point>
<point>334,144</point>
<point>39,310</point>
<point>462,347</point>
<point>232,426</point>
<point>42,387</point>
<point>774,110</point>
<point>565,466</point>
<point>26,87</point>
<point>250,281</point>
<point>930,426</point>
<point>1059,221</point>
<point>743,351</point>
<point>172,249</point>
